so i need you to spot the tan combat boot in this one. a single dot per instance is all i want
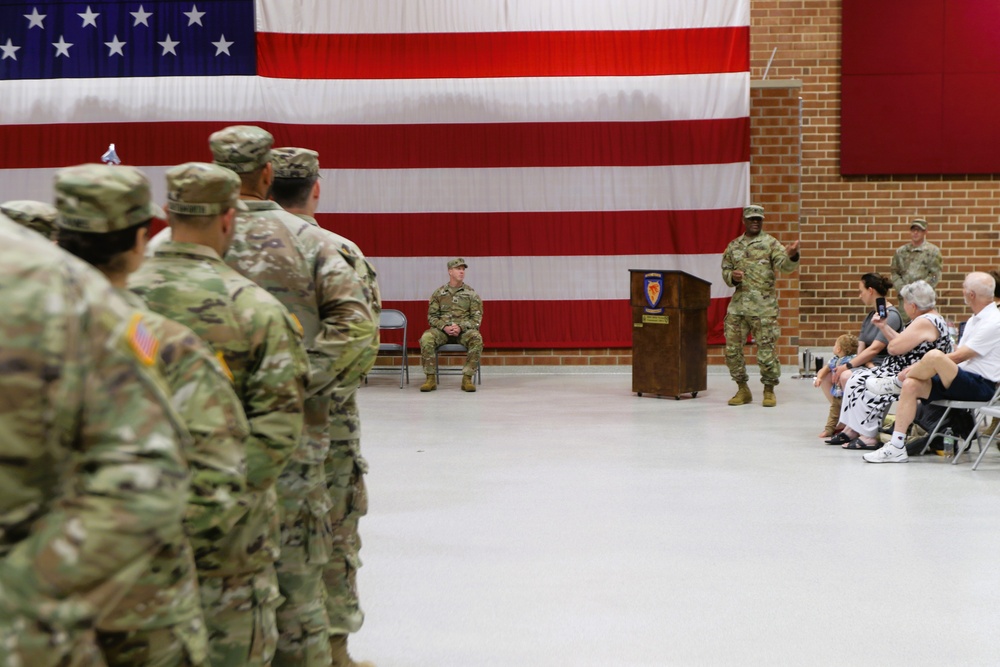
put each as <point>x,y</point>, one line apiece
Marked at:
<point>338,647</point>
<point>743,395</point>
<point>467,384</point>
<point>430,384</point>
<point>769,400</point>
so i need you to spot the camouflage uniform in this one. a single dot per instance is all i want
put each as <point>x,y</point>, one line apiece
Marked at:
<point>34,215</point>
<point>345,466</point>
<point>92,475</point>
<point>259,345</point>
<point>912,263</point>
<point>754,306</point>
<point>304,269</point>
<point>160,621</point>
<point>453,305</point>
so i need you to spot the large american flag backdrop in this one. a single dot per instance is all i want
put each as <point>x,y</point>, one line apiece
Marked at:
<point>554,144</point>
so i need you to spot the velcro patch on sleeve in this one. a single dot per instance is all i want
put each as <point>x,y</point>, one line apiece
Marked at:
<point>142,341</point>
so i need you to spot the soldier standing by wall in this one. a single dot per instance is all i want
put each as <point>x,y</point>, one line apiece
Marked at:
<point>917,260</point>
<point>751,264</point>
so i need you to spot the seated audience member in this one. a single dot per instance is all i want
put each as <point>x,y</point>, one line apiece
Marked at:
<point>843,351</point>
<point>862,409</point>
<point>970,373</point>
<point>871,340</point>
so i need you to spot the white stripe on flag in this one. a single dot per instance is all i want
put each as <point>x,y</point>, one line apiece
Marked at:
<point>556,278</point>
<point>688,187</point>
<point>377,102</point>
<point>406,16</point>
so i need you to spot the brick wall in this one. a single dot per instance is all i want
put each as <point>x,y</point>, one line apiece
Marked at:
<point>848,226</point>
<point>853,225</point>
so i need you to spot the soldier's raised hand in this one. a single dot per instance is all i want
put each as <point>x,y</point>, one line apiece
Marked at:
<point>792,248</point>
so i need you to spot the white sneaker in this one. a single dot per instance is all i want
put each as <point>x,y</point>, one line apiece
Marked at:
<point>886,386</point>
<point>888,454</point>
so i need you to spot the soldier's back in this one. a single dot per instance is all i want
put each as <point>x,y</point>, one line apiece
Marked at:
<point>94,483</point>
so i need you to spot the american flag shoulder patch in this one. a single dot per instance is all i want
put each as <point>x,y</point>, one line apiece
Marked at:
<point>142,341</point>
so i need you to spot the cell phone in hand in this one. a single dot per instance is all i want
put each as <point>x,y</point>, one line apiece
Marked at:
<point>880,307</point>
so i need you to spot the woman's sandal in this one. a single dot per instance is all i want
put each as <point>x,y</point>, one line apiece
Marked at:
<point>839,439</point>
<point>858,443</point>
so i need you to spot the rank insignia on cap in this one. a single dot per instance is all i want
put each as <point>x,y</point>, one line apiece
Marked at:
<point>225,366</point>
<point>142,341</point>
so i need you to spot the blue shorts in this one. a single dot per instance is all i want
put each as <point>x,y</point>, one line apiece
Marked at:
<point>965,387</point>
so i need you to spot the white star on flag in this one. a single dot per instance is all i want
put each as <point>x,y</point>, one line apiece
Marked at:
<point>9,50</point>
<point>194,16</point>
<point>35,19</point>
<point>141,16</point>
<point>222,46</point>
<point>89,17</point>
<point>169,46</point>
<point>62,47</point>
<point>115,46</point>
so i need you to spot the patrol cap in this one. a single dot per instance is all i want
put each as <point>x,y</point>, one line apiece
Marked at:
<point>293,162</point>
<point>753,211</point>
<point>100,198</point>
<point>455,263</point>
<point>242,148</point>
<point>35,215</point>
<point>200,188</point>
<point>919,223</point>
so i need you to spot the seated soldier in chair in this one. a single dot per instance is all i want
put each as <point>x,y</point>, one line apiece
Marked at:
<point>454,314</point>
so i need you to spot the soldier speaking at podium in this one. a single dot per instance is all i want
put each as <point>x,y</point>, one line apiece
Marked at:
<point>751,264</point>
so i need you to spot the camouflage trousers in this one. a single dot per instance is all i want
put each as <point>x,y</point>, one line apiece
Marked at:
<point>305,545</point>
<point>345,470</point>
<point>175,646</point>
<point>765,331</point>
<point>435,338</point>
<point>240,615</point>
<point>306,536</point>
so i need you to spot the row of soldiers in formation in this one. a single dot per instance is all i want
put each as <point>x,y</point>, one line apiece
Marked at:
<point>180,460</point>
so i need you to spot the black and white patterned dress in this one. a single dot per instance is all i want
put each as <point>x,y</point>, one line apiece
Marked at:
<point>861,410</point>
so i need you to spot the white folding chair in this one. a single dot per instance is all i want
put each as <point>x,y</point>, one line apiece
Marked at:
<point>991,412</point>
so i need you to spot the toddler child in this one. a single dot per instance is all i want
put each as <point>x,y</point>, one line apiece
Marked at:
<point>843,351</point>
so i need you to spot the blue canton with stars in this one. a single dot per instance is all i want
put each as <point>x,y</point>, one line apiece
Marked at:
<point>60,39</point>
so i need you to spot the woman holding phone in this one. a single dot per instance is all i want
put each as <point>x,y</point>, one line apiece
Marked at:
<point>871,341</point>
<point>862,411</point>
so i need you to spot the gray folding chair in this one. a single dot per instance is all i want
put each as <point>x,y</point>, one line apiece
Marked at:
<point>451,349</point>
<point>393,320</point>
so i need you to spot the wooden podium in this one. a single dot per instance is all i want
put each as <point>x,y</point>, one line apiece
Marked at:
<point>669,332</point>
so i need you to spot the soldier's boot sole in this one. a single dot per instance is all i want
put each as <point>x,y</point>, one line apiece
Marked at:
<point>742,397</point>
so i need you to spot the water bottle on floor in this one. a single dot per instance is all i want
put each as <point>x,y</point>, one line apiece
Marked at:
<point>948,438</point>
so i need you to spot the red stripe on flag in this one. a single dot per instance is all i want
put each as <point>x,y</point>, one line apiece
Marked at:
<point>426,146</point>
<point>503,54</point>
<point>538,234</point>
<point>555,324</point>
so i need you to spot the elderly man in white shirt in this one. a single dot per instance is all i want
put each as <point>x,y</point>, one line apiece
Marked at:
<point>970,373</point>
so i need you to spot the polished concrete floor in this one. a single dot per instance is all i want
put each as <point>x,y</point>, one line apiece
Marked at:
<point>559,520</point>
